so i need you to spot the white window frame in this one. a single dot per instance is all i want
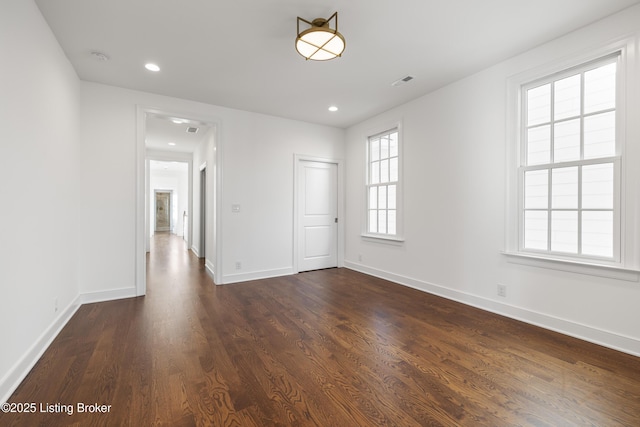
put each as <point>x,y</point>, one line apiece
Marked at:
<point>614,160</point>
<point>398,237</point>
<point>624,264</point>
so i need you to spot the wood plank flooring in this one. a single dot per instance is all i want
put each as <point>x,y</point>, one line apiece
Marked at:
<point>324,348</point>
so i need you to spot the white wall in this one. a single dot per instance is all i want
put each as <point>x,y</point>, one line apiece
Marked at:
<point>258,171</point>
<point>39,156</point>
<point>455,146</point>
<point>256,156</point>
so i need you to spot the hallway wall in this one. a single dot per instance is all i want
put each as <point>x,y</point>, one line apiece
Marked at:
<point>39,158</point>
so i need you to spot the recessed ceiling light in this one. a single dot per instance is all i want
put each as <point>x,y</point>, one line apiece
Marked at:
<point>178,121</point>
<point>151,67</point>
<point>333,108</point>
<point>172,143</point>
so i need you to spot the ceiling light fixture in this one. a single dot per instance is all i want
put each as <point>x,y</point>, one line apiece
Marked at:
<point>320,42</point>
<point>151,67</point>
<point>172,143</point>
<point>333,108</point>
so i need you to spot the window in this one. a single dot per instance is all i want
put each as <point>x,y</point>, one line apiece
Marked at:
<point>383,172</point>
<point>569,171</point>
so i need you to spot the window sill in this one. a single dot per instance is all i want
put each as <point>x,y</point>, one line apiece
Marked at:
<point>589,269</point>
<point>376,238</point>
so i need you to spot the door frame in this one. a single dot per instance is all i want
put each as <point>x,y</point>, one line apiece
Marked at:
<point>297,159</point>
<point>141,220</point>
<point>202,235</point>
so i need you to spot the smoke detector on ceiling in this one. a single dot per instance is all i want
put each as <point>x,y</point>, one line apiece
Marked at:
<point>99,56</point>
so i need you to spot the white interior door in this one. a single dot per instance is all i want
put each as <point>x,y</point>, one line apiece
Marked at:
<point>317,215</point>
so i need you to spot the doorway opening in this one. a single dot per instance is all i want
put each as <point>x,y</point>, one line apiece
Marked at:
<point>171,139</point>
<point>163,210</point>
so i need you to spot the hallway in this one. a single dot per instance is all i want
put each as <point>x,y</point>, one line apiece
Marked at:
<point>325,348</point>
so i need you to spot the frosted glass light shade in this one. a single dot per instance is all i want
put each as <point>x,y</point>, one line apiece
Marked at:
<point>320,42</point>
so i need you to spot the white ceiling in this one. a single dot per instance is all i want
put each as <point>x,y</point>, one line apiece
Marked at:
<point>161,131</point>
<point>240,53</point>
<point>160,167</point>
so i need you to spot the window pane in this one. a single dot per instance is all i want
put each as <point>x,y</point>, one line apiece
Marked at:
<point>391,196</point>
<point>597,233</point>
<point>373,197</point>
<point>539,145</point>
<point>384,147</point>
<point>564,188</point>
<point>373,221</point>
<point>382,197</point>
<point>375,149</point>
<point>600,135</point>
<point>382,221</point>
<point>535,230</point>
<point>536,189</point>
<point>391,216</point>
<point>597,186</point>
<point>393,169</point>
<point>393,144</point>
<point>567,97</point>
<point>564,231</point>
<point>384,170</point>
<point>566,141</point>
<point>375,172</point>
<point>600,88</point>
<point>539,105</point>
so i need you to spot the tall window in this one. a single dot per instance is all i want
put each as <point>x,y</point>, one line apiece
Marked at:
<point>569,166</point>
<point>382,183</point>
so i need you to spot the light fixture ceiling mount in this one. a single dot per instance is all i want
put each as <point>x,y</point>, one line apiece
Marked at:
<point>320,42</point>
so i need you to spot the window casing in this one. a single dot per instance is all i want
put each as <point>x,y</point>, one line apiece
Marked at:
<point>569,166</point>
<point>383,185</point>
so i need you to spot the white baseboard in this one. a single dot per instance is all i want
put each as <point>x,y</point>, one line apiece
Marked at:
<point>209,268</point>
<point>110,295</point>
<point>257,275</point>
<point>17,374</point>
<point>195,251</point>
<point>19,371</point>
<point>601,337</point>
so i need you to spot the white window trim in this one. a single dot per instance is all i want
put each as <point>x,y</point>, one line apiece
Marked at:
<point>398,238</point>
<point>627,264</point>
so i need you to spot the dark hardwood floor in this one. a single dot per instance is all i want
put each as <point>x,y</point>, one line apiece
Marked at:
<point>324,348</point>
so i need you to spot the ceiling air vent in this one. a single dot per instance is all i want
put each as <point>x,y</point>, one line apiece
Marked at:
<point>402,81</point>
<point>192,130</point>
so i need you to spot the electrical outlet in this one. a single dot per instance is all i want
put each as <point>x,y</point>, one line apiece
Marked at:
<point>502,291</point>
<point>238,265</point>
